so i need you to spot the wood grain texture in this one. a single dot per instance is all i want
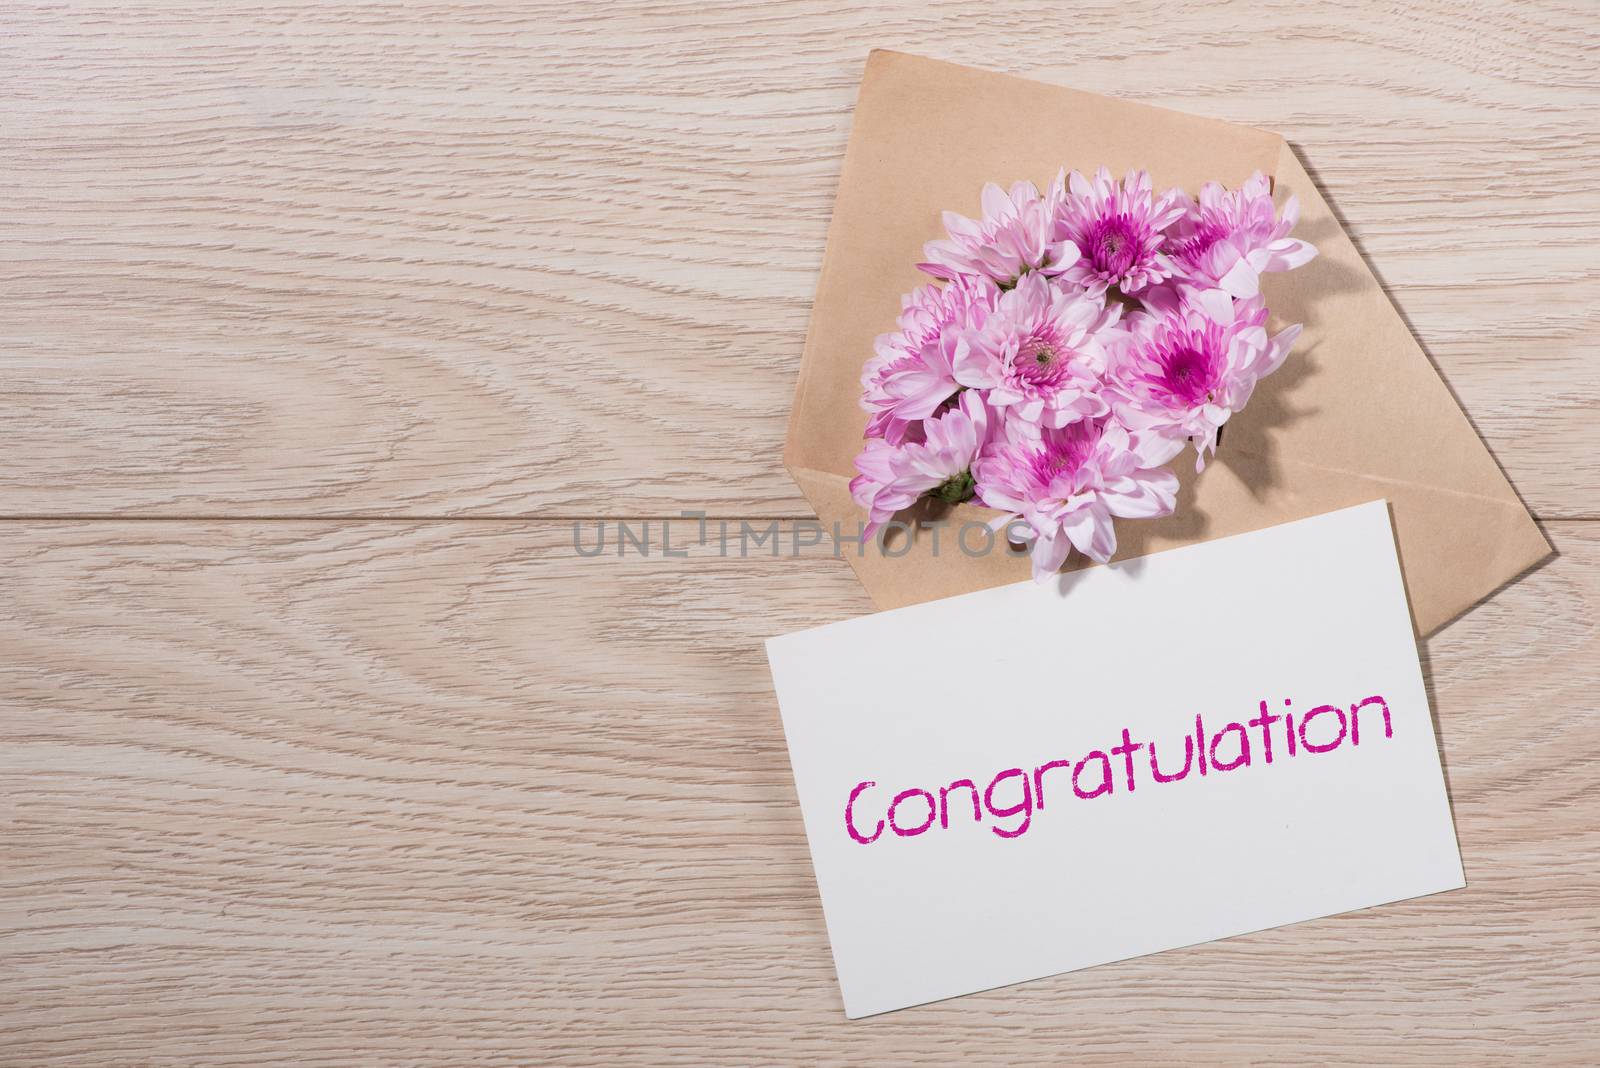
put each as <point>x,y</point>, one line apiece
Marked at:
<point>446,794</point>
<point>406,792</point>
<point>486,258</point>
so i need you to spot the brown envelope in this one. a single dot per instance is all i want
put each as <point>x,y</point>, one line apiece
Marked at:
<point>1357,413</point>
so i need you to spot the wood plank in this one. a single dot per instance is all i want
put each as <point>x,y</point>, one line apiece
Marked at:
<point>447,794</point>
<point>538,260</point>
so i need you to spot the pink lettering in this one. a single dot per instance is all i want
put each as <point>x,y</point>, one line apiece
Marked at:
<point>1038,778</point>
<point>1188,758</point>
<point>1011,807</point>
<point>1243,757</point>
<point>1105,775</point>
<point>849,823</point>
<point>944,802</point>
<point>1355,718</point>
<point>1023,807</point>
<point>1125,751</point>
<point>1265,722</point>
<point>1305,724</point>
<point>906,795</point>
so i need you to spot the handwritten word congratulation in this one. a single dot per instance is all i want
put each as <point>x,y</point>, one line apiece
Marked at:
<point>914,811</point>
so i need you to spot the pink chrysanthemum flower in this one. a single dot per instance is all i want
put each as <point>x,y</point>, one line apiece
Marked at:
<point>1185,364</point>
<point>1229,239</point>
<point>1040,353</point>
<point>910,374</point>
<point>1067,484</point>
<point>1118,230</point>
<point>893,477</point>
<point>1013,237</point>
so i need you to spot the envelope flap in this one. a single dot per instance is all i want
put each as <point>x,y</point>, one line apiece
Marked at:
<point>1356,359</point>
<point>1359,398</point>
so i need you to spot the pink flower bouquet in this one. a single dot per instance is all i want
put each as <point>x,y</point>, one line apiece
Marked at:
<point>1079,340</point>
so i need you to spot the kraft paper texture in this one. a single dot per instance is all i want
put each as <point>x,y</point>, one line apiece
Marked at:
<point>1356,413</point>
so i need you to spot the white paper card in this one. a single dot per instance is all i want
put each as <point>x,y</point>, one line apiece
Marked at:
<point>999,837</point>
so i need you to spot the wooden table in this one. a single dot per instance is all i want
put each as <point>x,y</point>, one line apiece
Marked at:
<point>321,324</point>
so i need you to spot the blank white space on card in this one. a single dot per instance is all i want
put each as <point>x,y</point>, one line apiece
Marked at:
<point>1294,771</point>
